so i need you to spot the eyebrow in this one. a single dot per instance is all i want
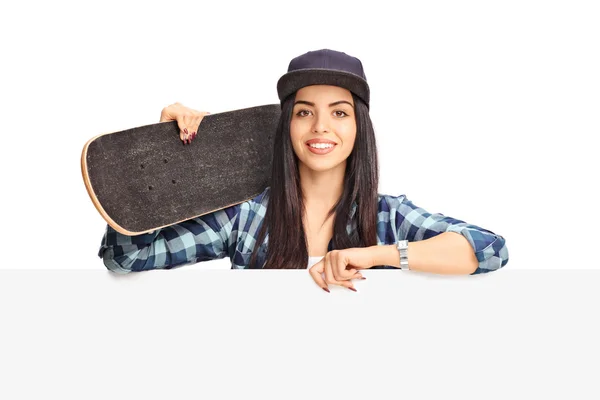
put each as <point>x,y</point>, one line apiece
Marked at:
<point>335,103</point>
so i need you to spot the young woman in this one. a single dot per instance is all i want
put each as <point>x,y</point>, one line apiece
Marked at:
<point>322,210</point>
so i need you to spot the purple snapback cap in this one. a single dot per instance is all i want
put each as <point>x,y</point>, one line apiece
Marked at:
<point>324,67</point>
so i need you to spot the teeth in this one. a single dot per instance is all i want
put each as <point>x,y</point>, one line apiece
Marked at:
<point>321,146</point>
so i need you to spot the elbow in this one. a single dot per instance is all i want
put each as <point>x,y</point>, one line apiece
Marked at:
<point>472,267</point>
<point>493,257</point>
<point>111,263</point>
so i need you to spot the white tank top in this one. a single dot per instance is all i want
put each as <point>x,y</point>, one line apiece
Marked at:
<point>313,260</point>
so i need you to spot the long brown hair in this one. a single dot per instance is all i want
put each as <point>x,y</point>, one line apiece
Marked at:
<point>287,247</point>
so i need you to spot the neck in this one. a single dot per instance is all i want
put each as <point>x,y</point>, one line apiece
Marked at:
<point>322,189</point>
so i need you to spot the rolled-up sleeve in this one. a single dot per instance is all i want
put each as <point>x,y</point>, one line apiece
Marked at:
<point>202,238</point>
<point>413,223</point>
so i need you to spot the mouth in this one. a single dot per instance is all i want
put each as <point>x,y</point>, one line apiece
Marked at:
<point>324,148</point>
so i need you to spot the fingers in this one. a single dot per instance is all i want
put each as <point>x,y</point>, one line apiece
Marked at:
<point>329,276</point>
<point>316,271</point>
<point>339,264</point>
<point>319,268</point>
<point>187,119</point>
<point>189,122</point>
<point>186,133</point>
<point>356,274</point>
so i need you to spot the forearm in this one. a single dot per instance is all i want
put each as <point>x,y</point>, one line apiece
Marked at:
<point>446,253</point>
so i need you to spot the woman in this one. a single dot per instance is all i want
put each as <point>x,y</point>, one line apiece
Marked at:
<point>322,210</point>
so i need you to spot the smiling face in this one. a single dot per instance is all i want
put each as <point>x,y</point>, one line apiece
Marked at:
<point>323,113</point>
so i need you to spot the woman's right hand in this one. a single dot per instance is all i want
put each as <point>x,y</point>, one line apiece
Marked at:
<point>187,119</point>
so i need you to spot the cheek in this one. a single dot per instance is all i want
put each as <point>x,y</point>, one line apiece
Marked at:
<point>295,130</point>
<point>348,135</point>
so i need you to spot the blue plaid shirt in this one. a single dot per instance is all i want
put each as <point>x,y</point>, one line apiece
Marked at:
<point>231,232</point>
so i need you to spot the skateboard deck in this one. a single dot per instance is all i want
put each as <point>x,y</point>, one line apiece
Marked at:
<point>145,178</point>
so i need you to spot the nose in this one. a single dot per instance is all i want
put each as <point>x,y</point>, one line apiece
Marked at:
<point>321,123</point>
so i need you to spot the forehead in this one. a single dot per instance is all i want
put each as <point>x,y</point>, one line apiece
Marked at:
<point>323,93</point>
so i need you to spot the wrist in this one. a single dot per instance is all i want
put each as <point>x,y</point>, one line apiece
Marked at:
<point>386,255</point>
<point>402,247</point>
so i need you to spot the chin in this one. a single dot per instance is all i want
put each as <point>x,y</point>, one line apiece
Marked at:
<point>322,166</point>
<point>319,168</point>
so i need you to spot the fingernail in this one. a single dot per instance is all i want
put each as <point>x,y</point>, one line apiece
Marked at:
<point>185,130</point>
<point>327,290</point>
<point>351,288</point>
<point>362,277</point>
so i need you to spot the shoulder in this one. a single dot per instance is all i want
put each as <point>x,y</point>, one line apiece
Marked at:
<point>252,209</point>
<point>244,211</point>
<point>259,203</point>
<point>390,203</point>
<point>254,204</point>
<point>262,198</point>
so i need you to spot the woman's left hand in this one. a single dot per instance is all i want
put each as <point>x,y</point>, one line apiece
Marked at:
<point>340,266</point>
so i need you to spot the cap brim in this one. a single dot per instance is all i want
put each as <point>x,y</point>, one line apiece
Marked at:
<point>294,80</point>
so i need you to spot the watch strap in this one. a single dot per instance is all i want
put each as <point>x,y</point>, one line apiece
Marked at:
<point>402,246</point>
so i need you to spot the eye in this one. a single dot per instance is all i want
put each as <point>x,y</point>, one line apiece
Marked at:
<point>343,113</point>
<point>299,113</point>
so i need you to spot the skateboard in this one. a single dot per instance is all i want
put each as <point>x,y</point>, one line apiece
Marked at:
<point>143,179</point>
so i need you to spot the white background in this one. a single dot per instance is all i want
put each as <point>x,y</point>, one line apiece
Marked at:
<point>483,111</point>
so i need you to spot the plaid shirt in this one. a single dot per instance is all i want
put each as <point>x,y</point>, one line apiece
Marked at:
<point>231,232</point>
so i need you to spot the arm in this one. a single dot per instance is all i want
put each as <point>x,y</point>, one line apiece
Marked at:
<point>208,237</point>
<point>440,244</point>
<point>446,253</point>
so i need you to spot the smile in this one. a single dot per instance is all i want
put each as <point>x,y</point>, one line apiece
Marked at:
<point>322,149</point>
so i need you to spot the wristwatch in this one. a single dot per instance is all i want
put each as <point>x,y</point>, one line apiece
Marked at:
<point>402,246</point>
